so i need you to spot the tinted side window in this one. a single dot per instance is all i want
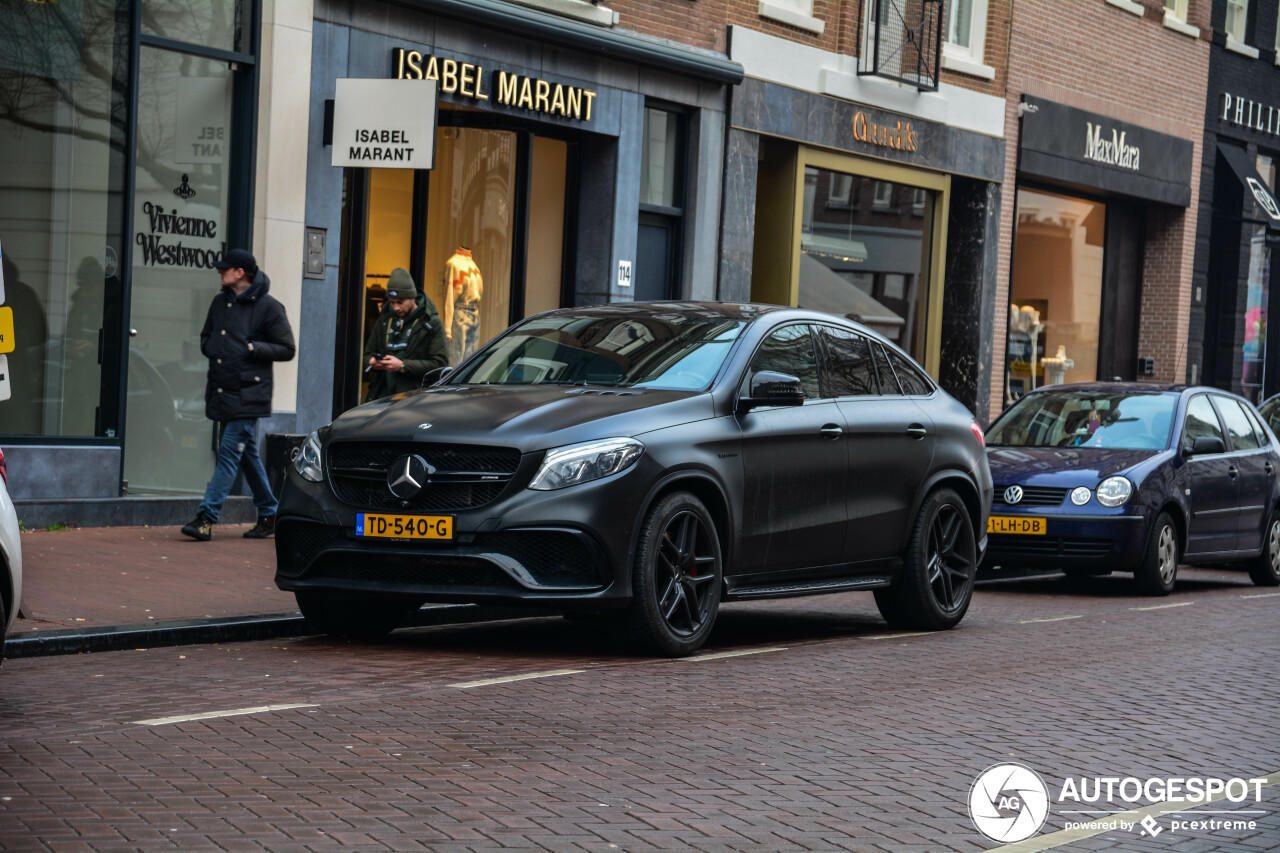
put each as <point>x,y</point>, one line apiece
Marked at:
<point>847,368</point>
<point>1238,424</point>
<point>1201,420</point>
<point>888,382</point>
<point>790,350</point>
<point>909,376</point>
<point>1258,430</point>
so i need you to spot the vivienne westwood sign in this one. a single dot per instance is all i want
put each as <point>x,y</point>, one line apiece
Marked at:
<point>1069,145</point>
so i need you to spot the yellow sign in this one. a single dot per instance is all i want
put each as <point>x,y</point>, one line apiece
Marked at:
<point>6,330</point>
<point>899,137</point>
<point>1017,524</point>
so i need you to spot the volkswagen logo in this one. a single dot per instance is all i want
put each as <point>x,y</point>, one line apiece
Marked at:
<point>407,476</point>
<point>1013,494</point>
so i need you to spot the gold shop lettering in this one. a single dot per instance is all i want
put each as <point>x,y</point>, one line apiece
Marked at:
<point>509,89</point>
<point>900,137</point>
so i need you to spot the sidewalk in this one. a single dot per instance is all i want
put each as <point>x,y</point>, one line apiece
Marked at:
<point>104,588</point>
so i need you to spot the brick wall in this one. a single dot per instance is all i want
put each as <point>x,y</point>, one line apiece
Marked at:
<point>1098,57</point>
<point>705,24</point>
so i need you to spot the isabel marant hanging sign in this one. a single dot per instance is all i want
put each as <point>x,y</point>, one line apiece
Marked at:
<point>385,124</point>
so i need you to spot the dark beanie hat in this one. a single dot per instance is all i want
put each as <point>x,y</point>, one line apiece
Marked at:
<point>400,285</point>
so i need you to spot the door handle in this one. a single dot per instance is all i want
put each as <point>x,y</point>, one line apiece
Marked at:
<point>916,431</point>
<point>831,431</point>
<point>1269,468</point>
<point>1233,472</point>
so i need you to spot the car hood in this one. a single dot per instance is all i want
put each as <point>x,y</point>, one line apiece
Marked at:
<point>1047,465</point>
<point>530,417</point>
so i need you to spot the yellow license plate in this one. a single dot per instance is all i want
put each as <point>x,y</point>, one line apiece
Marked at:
<point>404,526</point>
<point>1017,524</point>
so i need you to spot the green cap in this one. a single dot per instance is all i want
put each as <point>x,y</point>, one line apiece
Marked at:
<point>400,285</point>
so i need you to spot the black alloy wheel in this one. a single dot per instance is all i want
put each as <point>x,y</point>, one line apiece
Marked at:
<point>677,580</point>
<point>936,585</point>
<point>1265,569</point>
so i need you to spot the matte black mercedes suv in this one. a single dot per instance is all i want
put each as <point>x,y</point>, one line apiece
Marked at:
<point>645,462</point>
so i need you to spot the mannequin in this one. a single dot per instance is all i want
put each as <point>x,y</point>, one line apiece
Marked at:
<point>463,289</point>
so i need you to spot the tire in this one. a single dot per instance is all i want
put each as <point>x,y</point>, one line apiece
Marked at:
<point>1265,569</point>
<point>936,584</point>
<point>677,579</point>
<point>1159,569</point>
<point>363,617</point>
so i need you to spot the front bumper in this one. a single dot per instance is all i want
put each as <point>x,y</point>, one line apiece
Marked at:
<point>566,547</point>
<point>1102,542</point>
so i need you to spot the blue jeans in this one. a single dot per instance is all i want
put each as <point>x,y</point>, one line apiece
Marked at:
<point>239,449</point>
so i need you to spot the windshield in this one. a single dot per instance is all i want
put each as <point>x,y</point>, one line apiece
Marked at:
<point>622,348</point>
<point>1108,420</point>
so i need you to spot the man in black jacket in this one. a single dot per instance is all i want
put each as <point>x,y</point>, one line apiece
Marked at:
<point>245,332</point>
<point>407,341</point>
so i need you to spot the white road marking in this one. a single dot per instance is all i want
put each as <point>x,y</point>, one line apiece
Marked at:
<point>737,654</point>
<point>900,634</point>
<point>507,679</point>
<point>1135,816</point>
<point>213,715</point>
<point>1165,606</point>
<point>1049,619</point>
<point>1262,595</point>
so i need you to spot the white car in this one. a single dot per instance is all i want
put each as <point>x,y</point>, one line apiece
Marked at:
<point>10,558</point>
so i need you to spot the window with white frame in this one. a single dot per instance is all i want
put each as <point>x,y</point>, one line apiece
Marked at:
<point>964,37</point>
<point>1176,8</point>
<point>797,13</point>
<point>841,189</point>
<point>918,200</point>
<point>1237,19</point>
<point>884,196</point>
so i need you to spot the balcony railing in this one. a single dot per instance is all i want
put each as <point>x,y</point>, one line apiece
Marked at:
<point>902,41</point>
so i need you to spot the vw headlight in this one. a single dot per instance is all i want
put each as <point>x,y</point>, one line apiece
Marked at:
<point>1080,495</point>
<point>306,459</point>
<point>581,463</point>
<point>1114,491</point>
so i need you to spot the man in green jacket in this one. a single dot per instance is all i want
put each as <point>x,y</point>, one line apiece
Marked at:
<point>407,341</point>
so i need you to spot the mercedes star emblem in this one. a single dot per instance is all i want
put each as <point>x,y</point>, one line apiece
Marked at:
<point>1012,495</point>
<point>407,475</point>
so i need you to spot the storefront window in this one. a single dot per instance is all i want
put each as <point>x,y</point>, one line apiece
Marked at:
<point>62,126</point>
<point>1057,291</point>
<point>862,253</point>
<point>180,230</point>
<point>213,23</point>
<point>469,235</point>
<point>1254,333</point>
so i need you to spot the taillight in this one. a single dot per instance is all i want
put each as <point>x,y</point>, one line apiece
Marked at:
<point>4,468</point>
<point>977,433</point>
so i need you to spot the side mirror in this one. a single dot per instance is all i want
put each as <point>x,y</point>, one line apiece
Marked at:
<point>772,389</point>
<point>433,377</point>
<point>1207,444</point>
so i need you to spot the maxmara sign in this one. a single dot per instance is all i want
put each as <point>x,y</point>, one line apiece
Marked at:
<point>1113,150</point>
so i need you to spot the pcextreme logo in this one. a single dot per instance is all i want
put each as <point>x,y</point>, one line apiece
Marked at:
<point>1010,802</point>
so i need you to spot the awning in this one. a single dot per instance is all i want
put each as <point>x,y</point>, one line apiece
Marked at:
<point>1248,175</point>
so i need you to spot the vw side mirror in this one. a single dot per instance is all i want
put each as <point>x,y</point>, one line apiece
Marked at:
<point>433,377</point>
<point>1205,444</point>
<point>769,388</point>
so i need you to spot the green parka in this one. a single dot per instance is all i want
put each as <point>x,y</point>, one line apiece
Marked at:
<point>420,344</point>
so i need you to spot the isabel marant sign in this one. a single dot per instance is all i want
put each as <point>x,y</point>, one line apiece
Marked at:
<point>385,124</point>
<point>1070,145</point>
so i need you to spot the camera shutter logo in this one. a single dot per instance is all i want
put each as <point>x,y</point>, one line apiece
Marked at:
<point>1013,495</point>
<point>1008,802</point>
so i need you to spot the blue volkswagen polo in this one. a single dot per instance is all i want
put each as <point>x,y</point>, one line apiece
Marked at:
<point>1100,477</point>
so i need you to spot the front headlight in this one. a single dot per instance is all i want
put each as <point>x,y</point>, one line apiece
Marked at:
<point>1080,495</point>
<point>306,459</point>
<point>1114,491</point>
<point>581,463</point>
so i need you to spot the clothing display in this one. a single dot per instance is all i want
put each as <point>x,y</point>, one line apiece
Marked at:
<point>463,289</point>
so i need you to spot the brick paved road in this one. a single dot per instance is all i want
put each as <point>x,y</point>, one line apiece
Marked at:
<point>834,735</point>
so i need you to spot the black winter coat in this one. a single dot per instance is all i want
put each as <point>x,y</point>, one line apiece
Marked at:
<point>240,379</point>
